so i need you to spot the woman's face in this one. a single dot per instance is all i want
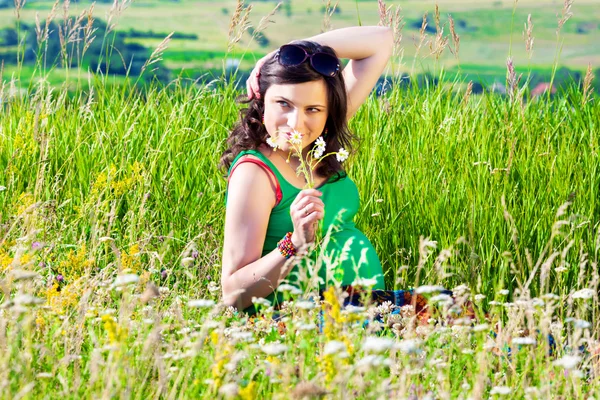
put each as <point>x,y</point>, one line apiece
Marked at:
<point>301,107</point>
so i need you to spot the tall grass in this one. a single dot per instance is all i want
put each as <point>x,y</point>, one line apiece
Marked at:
<point>111,218</point>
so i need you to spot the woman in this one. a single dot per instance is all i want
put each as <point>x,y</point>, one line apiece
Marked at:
<point>300,88</point>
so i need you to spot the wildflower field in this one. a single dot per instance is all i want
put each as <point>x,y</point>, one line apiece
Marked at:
<point>111,226</point>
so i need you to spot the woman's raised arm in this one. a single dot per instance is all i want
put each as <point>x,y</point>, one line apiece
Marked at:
<point>369,49</point>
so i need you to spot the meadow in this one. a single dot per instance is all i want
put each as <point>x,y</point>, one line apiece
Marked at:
<point>111,226</point>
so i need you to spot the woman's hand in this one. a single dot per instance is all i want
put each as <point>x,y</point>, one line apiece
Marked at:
<point>252,83</point>
<point>306,210</point>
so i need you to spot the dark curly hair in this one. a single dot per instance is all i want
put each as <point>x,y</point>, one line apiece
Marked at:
<point>250,133</point>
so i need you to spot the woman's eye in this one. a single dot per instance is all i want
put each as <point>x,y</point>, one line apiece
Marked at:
<point>283,103</point>
<point>313,110</point>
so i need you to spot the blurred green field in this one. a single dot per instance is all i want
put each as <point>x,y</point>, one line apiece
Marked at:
<point>488,30</point>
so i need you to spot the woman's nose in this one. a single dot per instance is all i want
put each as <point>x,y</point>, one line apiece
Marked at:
<point>295,120</point>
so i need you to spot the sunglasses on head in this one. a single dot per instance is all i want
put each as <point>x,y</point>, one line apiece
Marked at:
<point>290,55</point>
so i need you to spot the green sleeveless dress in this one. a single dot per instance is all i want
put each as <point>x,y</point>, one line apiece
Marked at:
<point>355,255</point>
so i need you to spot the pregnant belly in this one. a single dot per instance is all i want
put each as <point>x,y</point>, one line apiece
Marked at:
<point>349,255</point>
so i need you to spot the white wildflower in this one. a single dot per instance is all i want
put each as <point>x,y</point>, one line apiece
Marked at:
<point>373,361</point>
<point>352,309</point>
<point>481,328</point>
<point>581,324</point>
<point>243,336</point>
<point>365,282</point>
<point>271,143</point>
<point>274,348</point>
<point>187,261</point>
<point>213,287</point>
<point>201,303</point>
<point>284,287</point>
<point>561,269</point>
<point>305,304</point>
<point>536,302</point>
<point>479,297</point>
<point>568,362</point>
<point>307,327</point>
<point>583,294</point>
<point>503,292</point>
<point>550,296</point>
<point>295,137</point>
<point>408,346</point>
<point>460,290</point>
<point>524,341</point>
<point>333,347</point>
<point>44,375</point>
<point>385,308</point>
<point>127,279</point>
<point>429,289</point>
<point>501,390</point>
<point>260,301</point>
<point>319,147</point>
<point>2,188</point>
<point>374,344</point>
<point>441,298</point>
<point>342,155</point>
<point>229,390</point>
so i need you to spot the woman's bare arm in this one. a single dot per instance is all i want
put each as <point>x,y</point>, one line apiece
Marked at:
<point>245,274</point>
<point>369,49</point>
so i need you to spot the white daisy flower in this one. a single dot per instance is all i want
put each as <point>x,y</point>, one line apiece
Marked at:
<point>271,143</point>
<point>2,188</point>
<point>342,155</point>
<point>320,144</point>
<point>295,137</point>
<point>503,292</point>
<point>319,153</point>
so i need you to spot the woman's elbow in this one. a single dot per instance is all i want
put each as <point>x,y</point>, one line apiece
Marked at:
<point>231,295</point>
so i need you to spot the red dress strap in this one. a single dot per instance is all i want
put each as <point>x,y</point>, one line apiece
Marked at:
<point>243,159</point>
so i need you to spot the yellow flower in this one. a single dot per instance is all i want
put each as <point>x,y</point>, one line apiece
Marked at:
<point>116,334</point>
<point>130,259</point>
<point>5,261</point>
<point>248,392</point>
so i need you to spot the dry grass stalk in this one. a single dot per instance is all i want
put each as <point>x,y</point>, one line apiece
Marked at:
<point>455,39</point>
<point>440,42</point>
<point>19,4</point>
<point>266,20</point>
<point>329,10</point>
<point>566,14</point>
<point>115,12</point>
<point>394,20</point>
<point>384,13</point>
<point>158,52</point>
<point>587,85</point>
<point>89,29</point>
<point>240,23</point>
<point>468,93</point>
<point>512,80</point>
<point>528,36</point>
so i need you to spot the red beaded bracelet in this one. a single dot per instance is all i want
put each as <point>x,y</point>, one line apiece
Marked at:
<point>286,247</point>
